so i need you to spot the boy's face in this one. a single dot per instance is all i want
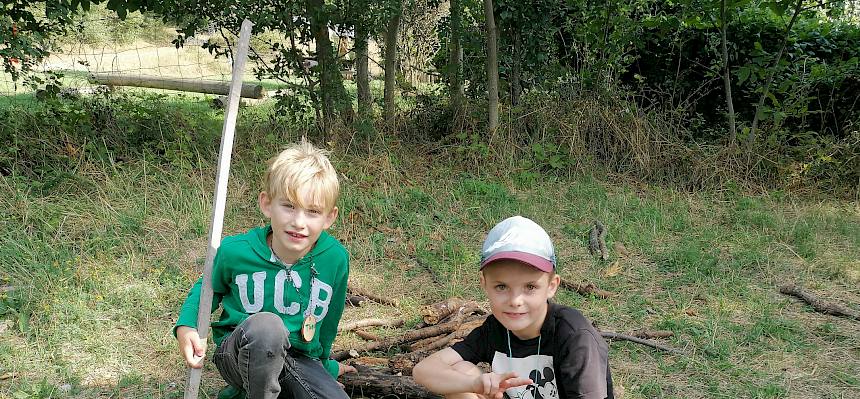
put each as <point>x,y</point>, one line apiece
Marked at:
<point>295,230</point>
<point>518,295</point>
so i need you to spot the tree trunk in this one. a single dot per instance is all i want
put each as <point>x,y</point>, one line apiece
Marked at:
<point>751,139</point>
<point>492,69</point>
<point>331,83</point>
<point>455,57</point>
<point>727,78</point>
<point>361,71</point>
<point>516,69</point>
<point>391,64</point>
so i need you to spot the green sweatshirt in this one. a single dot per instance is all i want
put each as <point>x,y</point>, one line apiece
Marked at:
<point>248,279</point>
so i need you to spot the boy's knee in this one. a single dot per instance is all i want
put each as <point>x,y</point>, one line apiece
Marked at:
<point>267,329</point>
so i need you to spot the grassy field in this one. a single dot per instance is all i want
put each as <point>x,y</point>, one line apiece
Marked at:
<point>95,266</point>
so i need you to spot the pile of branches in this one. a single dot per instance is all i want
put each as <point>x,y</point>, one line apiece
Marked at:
<point>444,323</point>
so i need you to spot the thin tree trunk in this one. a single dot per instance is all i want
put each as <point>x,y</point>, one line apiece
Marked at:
<point>727,79</point>
<point>751,139</point>
<point>391,64</point>
<point>306,74</point>
<point>492,69</point>
<point>516,69</point>
<point>361,71</point>
<point>331,83</point>
<point>455,57</point>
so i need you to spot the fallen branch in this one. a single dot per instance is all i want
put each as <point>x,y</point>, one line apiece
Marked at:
<point>653,334</point>
<point>370,361</point>
<point>460,332</point>
<point>409,336</point>
<point>370,323</point>
<point>432,314</point>
<point>371,383</point>
<point>355,300</point>
<point>369,295</point>
<point>597,240</point>
<point>611,335</point>
<point>404,362</point>
<point>366,335</point>
<point>421,343</point>
<point>586,289</point>
<point>819,305</point>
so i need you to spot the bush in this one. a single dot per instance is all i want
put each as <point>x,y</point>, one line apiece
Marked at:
<point>56,135</point>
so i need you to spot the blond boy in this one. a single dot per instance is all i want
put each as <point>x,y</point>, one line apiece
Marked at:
<point>281,287</point>
<point>537,349</point>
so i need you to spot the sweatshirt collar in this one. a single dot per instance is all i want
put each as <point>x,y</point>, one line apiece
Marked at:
<point>261,247</point>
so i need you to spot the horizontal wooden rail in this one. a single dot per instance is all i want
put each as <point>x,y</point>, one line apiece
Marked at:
<point>249,90</point>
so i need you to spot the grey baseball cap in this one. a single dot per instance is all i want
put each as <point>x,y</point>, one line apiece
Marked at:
<point>521,239</point>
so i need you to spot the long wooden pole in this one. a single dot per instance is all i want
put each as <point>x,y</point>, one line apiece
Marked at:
<point>249,90</point>
<point>217,224</point>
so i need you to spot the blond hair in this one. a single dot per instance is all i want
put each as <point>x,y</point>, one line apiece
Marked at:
<point>303,172</point>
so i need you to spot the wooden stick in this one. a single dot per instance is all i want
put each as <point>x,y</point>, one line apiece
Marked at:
<point>215,229</point>
<point>248,90</point>
<point>409,336</point>
<point>653,334</point>
<point>467,312</point>
<point>366,335</point>
<point>370,323</point>
<point>597,240</point>
<point>371,361</point>
<point>425,342</point>
<point>373,297</point>
<point>355,300</point>
<point>818,304</point>
<point>372,383</point>
<point>612,335</point>
<point>405,362</point>
<point>460,332</point>
<point>432,314</point>
<point>586,289</point>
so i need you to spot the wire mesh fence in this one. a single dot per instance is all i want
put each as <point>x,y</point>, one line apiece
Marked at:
<point>81,65</point>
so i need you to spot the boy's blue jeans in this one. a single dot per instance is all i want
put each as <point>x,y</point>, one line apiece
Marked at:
<point>256,359</point>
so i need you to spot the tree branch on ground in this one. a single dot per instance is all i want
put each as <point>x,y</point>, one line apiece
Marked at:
<point>818,304</point>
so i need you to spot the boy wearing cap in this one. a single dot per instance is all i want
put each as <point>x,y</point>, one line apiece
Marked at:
<point>537,349</point>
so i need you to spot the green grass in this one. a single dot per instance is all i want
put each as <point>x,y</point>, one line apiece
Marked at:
<point>102,258</point>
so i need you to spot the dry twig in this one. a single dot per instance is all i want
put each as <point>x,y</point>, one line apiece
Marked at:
<point>432,314</point>
<point>355,300</point>
<point>612,335</point>
<point>366,335</point>
<point>373,383</point>
<point>586,289</point>
<point>597,240</point>
<point>372,296</point>
<point>409,336</point>
<point>370,323</point>
<point>818,304</point>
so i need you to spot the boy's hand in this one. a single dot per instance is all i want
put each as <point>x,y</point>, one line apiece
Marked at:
<point>494,385</point>
<point>344,368</point>
<point>191,347</point>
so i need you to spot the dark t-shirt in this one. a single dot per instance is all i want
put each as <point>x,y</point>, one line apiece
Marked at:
<point>572,363</point>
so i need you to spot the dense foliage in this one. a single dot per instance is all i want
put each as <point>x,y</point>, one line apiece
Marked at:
<point>792,67</point>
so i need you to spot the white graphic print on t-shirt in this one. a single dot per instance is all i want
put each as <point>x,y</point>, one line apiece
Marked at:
<point>537,367</point>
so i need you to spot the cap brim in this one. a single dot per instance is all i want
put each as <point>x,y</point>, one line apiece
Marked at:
<point>535,261</point>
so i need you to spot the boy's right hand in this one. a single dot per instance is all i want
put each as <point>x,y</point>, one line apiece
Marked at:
<point>192,348</point>
<point>494,385</point>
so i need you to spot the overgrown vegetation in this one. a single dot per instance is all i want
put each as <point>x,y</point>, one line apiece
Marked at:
<point>639,86</point>
<point>614,111</point>
<point>105,231</point>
